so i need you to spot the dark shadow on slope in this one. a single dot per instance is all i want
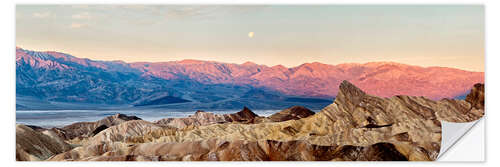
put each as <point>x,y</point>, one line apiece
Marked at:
<point>163,100</point>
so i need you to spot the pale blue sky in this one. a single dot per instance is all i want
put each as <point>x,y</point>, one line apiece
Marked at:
<point>451,36</point>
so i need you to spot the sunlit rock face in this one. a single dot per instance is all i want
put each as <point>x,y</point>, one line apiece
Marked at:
<point>356,127</point>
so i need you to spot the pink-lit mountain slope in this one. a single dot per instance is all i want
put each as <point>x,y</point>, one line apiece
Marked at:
<point>307,80</point>
<point>321,80</point>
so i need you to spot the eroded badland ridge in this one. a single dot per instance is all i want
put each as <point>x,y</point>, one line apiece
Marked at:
<point>356,126</point>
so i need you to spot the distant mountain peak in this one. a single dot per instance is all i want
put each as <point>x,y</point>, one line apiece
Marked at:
<point>379,63</point>
<point>279,66</point>
<point>249,63</point>
<point>307,80</point>
<point>191,61</point>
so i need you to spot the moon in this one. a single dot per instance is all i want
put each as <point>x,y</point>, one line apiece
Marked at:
<point>250,34</point>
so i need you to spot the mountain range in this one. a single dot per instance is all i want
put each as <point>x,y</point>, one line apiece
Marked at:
<point>54,80</point>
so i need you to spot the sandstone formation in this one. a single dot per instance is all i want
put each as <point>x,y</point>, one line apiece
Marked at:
<point>476,96</point>
<point>292,113</point>
<point>237,150</point>
<point>136,131</point>
<point>245,116</point>
<point>357,126</point>
<point>86,129</point>
<point>202,118</point>
<point>32,145</point>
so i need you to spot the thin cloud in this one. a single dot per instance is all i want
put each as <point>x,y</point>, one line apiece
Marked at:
<point>80,6</point>
<point>42,15</point>
<point>83,15</point>
<point>201,12</point>
<point>207,12</point>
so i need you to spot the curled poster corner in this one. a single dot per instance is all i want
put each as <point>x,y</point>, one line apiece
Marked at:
<point>451,133</point>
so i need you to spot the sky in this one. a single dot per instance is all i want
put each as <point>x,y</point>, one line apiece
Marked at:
<point>290,35</point>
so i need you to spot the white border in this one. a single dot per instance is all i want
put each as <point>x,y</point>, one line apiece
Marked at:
<point>472,141</point>
<point>451,137</point>
<point>7,69</point>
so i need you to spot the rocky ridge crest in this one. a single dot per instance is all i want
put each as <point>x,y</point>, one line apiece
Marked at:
<point>357,126</point>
